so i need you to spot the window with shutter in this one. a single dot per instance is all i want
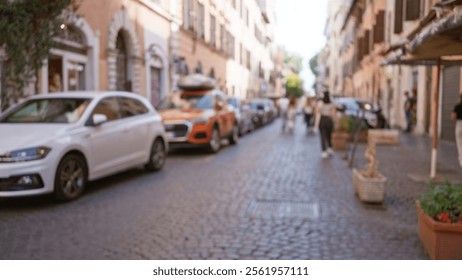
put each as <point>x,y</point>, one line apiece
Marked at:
<point>379,27</point>
<point>360,48</point>
<point>200,21</point>
<point>398,16</point>
<point>213,32</point>
<point>367,42</point>
<point>412,9</point>
<point>188,14</point>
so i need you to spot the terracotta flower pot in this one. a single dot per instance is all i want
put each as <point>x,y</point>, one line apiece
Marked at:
<point>442,241</point>
<point>340,140</point>
<point>362,136</point>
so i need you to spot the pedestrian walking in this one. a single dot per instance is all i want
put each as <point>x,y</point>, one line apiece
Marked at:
<point>408,109</point>
<point>456,115</point>
<point>283,104</point>
<point>291,113</point>
<point>327,113</point>
<point>308,113</point>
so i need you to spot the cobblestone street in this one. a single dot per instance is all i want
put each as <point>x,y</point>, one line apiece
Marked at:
<point>269,197</point>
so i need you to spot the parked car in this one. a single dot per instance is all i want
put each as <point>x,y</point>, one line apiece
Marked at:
<point>244,115</point>
<point>55,143</point>
<point>361,108</point>
<point>264,110</point>
<point>258,112</point>
<point>198,117</point>
<point>273,110</point>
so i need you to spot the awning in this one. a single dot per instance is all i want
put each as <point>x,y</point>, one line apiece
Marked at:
<point>440,44</point>
<point>441,38</point>
<point>415,61</point>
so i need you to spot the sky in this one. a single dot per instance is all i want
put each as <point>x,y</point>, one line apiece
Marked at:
<point>300,29</point>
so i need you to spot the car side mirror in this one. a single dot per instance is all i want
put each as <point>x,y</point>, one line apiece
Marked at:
<point>99,119</point>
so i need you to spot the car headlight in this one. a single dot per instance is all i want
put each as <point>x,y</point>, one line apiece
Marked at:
<point>25,154</point>
<point>200,120</point>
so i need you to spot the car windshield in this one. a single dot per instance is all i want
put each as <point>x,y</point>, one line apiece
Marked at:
<point>50,110</point>
<point>186,101</point>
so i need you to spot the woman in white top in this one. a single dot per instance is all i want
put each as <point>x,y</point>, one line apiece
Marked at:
<point>327,112</point>
<point>291,113</point>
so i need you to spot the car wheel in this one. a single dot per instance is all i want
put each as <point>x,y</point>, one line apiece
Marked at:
<point>157,156</point>
<point>234,138</point>
<point>215,141</point>
<point>71,178</point>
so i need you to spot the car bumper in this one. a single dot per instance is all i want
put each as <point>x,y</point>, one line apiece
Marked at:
<point>193,134</point>
<point>186,145</point>
<point>26,178</point>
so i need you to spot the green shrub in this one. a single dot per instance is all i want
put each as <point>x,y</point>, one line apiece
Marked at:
<point>345,124</point>
<point>443,202</point>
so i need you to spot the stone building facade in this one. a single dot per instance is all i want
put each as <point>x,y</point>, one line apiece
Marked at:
<point>380,60</point>
<point>126,47</point>
<point>229,40</point>
<point>145,46</point>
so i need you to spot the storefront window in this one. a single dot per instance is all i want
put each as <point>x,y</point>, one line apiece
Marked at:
<point>67,62</point>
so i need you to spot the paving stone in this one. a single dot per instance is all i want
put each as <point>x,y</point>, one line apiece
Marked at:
<point>270,197</point>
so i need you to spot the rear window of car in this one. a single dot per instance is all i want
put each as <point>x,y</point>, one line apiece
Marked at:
<point>49,110</point>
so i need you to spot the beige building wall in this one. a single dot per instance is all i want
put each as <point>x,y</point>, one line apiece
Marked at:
<point>383,85</point>
<point>244,81</point>
<point>145,25</point>
<point>144,15</point>
<point>337,10</point>
<point>199,51</point>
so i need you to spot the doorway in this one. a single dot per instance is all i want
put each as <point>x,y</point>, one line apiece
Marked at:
<point>66,71</point>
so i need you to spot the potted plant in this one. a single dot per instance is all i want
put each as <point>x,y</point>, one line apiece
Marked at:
<point>342,132</point>
<point>439,212</point>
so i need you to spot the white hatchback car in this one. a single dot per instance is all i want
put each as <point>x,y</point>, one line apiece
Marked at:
<point>57,142</point>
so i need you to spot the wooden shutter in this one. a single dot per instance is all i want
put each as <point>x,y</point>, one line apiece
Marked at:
<point>367,42</point>
<point>398,16</point>
<point>412,9</point>
<point>379,27</point>
<point>360,48</point>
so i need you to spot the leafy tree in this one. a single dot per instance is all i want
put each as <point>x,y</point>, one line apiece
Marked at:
<point>295,61</point>
<point>314,67</point>
<point>27,29</point>
<point>313,63</point>
<point>294,85</point>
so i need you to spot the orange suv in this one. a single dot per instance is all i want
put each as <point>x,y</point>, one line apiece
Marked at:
<point>199,117</point>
